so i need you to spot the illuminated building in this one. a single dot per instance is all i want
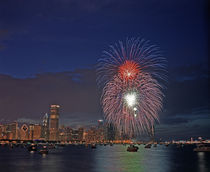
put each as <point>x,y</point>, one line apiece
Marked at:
<point>24,132</point>
<point>80,134</point>
<point>100,123</point>
<point>31,131</point>
<point>34,131</point>
<point>110,132</point>
<point>45,127</point>
<point>75,135</point>
<point>100,131</point>
<point>11,131</point>
<point>1,133</point>
<point>62,133</point>
<point>37,132</point>
<point>91,135</point>
<point>54,123</point>
<point>9,135</point>
<point>85,135</point>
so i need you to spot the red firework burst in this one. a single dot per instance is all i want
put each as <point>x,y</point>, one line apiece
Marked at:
<point>128,70</point>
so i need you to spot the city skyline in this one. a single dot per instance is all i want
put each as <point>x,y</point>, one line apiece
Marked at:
<point>49,130</point>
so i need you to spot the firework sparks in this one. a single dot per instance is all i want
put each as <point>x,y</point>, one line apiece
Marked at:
<point>132,76</point>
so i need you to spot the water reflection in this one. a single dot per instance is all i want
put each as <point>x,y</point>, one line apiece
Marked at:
<point>106,159</point>
<point>116,158</point>
<point>201,162</point>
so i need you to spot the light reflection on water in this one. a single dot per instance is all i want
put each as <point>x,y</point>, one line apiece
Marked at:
<point>105,159</point>
<point>201,162</point>
<point>118,159</point>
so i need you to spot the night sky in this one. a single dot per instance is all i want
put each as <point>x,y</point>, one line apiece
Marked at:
<point>49,49</point>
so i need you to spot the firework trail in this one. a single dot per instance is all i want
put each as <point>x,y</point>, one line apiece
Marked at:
<point>132,76</point>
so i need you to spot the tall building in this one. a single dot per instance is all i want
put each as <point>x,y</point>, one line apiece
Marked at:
<point>45,127</point>
<point>100,123</point>
<point>65,133</point>
<point>37,132</point>
<point>1,131</point>
<point>80,134</point>
<point>24,132</point>
<point>34,132</point>
<point>91,135</point>
<point>111,132</point>
<point>11,129</point>
<point>54,123</point>
<point>31,132</point>
<point>100,131</point>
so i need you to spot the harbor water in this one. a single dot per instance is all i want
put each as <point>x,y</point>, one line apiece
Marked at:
<point>79,158</point>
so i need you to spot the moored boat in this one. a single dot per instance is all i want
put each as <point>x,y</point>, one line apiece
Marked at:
<point>93,146</point>
<point>167,144</point>
<point>32,147</point>
<point>202,148</point>
<point>132,148</point>
<point>51,146</point>
<point>44,150</point>
<point>148,146</point>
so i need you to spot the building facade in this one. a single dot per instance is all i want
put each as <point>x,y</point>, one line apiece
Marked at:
<point>54,123</point>
<point>45,127</point>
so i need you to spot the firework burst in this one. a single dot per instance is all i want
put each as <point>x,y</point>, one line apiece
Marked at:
<point>132,76</point>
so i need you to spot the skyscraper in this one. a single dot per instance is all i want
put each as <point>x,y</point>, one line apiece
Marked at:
<point>34,132</point>
<point>24,132</point>
<point>101,131</point>
<point>12,129</point>
<point>45,127</point>
<point>100,123</point>
<point>111,132</point>
<point>31,131</point>
<point>54,122</point>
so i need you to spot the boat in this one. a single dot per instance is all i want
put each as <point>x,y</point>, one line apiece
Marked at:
<point>51,146</point>
<point>62,145</point>
<point>167,144</point>
<point>179,145</point>
<point>93,146</point>
<point>132,148</point>
<point>202,148</point>
<point>148,146</point>
<point>32,147</point>
<point>44,150</point>
<point>11,146</point>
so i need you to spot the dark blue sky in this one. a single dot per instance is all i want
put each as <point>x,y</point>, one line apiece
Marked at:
<point>48,49</point>
<point>61,35</point>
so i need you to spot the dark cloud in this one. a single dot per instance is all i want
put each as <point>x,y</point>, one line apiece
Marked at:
<point>31,97</point>
<point>186,112</point>
<point>188,88</point>
<point>185,130</point>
